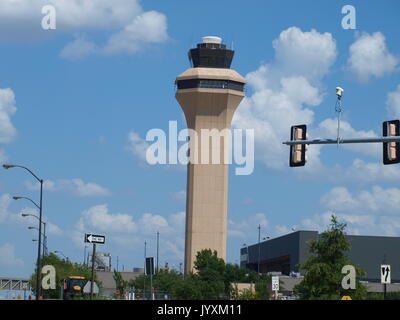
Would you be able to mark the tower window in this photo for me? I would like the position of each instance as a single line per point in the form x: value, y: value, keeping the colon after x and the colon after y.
x: 210, y: 83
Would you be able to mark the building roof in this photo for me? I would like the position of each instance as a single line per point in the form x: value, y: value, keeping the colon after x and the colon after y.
x: 107, y: 278
x: 211, y: 73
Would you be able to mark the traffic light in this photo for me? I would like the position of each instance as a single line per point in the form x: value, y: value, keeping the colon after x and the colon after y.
x: 149, y: 266
x: 391, y: 150
x: 298, y: 151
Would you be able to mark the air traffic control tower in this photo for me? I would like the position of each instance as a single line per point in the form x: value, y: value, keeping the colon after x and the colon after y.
x: 209, y: 94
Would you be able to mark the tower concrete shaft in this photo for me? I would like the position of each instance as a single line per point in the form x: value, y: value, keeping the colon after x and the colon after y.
x: 209, y: 94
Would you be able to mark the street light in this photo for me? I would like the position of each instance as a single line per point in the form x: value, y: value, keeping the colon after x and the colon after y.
x: 44, y: 223
x: 38, y: 266
x: 44, y: 235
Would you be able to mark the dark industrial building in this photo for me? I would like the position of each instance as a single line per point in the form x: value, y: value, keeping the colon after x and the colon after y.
x: 284, y: 253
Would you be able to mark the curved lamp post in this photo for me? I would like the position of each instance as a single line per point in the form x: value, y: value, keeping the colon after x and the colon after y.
x: 38, y: 266
x: 44, y: 254
x: 33, y: 215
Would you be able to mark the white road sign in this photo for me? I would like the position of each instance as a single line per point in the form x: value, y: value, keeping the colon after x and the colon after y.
x: 275, y: 283
x: 86, y: 288
x: 95, y: 238
x: 385, y: 273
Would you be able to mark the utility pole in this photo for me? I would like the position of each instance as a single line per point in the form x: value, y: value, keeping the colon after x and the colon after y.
x: 91, y: 284
x: 158, y: 242
x: 384, y: 285
x: 259, y: 248
x: 158, y: 238
x: 84, y: 254
x: 144, y: 278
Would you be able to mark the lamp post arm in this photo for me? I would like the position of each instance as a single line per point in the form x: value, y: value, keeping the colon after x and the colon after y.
x: 30, y: 171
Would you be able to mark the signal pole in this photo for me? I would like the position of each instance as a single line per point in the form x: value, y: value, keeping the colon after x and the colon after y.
x: 92, y: 283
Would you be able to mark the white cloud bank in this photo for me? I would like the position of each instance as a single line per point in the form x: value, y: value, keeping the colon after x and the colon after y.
x: 130, y: 29
x: 370, y: 57
x: 7, y: 216
x: 8, y: 257
x: 124, y: 230
x: 285, y: 93
x: 393, y: 103
x: 75, y: 186
x: 138, y: 146
x: 367, y: 212
x: 7, y: 109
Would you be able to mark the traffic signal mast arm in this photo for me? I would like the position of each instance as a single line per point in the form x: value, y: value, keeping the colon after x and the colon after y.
x: 335, y: 141
x: 299, y: 140
x: 390, y: 141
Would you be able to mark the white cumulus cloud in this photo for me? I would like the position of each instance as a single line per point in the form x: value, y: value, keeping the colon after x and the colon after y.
x: 126, y: 27
x: 370, y: 57
x: 377, y: 200
x: 393, y: 103
x: 328, y: 129
x: 8, y: 258
x: 7, y: 109
x: 138, y: 146
x: 285, y: 92
x: 76, y: 186
x: 149, y: 27
x: 98, y: 218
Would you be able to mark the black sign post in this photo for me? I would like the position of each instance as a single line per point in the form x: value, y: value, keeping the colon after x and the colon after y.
x: 150, y: 271
x: 93, y: 239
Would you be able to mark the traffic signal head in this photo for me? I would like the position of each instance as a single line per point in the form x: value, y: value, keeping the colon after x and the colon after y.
x: 391, y: 150
x: 298, y: 151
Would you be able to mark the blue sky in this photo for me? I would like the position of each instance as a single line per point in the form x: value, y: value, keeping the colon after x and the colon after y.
x: 76, y: 104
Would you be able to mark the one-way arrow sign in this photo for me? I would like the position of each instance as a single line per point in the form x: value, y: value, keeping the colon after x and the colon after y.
x: 385, y: 273
x: 95, y: 238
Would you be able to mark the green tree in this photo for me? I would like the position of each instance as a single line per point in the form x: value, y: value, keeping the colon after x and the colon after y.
x: 323, y: 277
x: 212, y: 280
x: 163, y: 282
x: 210, y: 271
x: 64, y: 269
x: 120, y: 283
x: 190, y: 288
x: 236, y: 274
x: 247, y: 294
x: 263, y: 287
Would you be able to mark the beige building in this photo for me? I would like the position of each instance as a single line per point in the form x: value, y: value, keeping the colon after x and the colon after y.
x: 108, y: 284
x: 209, y: 94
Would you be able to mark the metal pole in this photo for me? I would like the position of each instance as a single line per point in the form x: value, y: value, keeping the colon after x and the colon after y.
x: 91, y: 284
x: 144, y: 278
x: 158, y: 242
x: 38, y: 273
x: 384, y: 291
x: 259, y: 249
x: 151, y: 285
x: 335, y: 141
x: 84, y: 256
x: 158, y: 238
x: 44, y: 242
